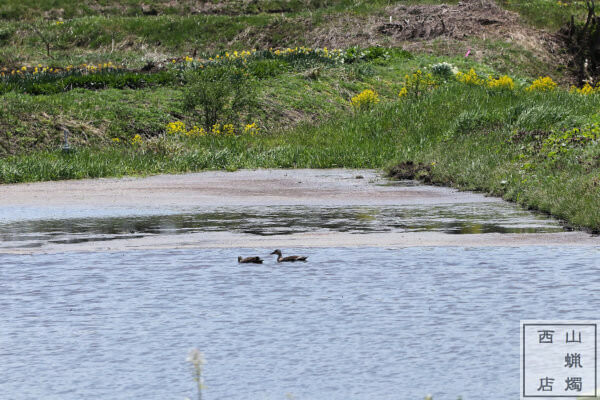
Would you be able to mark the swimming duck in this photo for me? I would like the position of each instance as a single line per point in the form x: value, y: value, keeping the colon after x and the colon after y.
x: 250, y: 260
x: 280, y: 258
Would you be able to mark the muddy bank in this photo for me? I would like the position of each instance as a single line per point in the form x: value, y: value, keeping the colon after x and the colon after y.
x: 245, y: 188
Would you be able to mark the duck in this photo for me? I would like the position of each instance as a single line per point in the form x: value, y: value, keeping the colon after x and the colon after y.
x: 249, y: 260
x: 280, y: 258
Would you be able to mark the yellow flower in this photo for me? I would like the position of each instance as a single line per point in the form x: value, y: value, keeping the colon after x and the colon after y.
x: 136, y: 140
x: 195, y: 132
x: 545, y: 84
x: 228, y: 130
x: 216, y: 129
x: 417, y: 83
x: 174, y: 128
x: 470, y: 78
x: 365, y: 100
x: 504, y: 82
x: 251, y: 129
x: 116, y: 140
x: 585, y: 89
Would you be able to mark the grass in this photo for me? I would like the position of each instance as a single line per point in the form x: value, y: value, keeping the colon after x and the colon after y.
x: 492, y: 141
x: 32, y: 9
x: 97, y: 32
x: 478, y: 145
x: 548, y: 14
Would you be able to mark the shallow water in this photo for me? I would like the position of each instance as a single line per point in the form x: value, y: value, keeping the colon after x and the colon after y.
x: 470, y: 218
x: 349, y: 324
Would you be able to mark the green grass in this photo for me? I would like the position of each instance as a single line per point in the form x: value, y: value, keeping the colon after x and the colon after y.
x: 95, y: 32
x: 485, y: 140
x: 31, y: 9
x: 472, y: 147
x: 547, y: 14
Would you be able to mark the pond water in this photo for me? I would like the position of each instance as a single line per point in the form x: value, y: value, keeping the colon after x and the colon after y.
x: 471, y: 218
x: 352, y: 323
x: 102, y: 298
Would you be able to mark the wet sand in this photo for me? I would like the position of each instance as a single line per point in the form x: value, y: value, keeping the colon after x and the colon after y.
x: 245, y: 188
x: 177, y: 193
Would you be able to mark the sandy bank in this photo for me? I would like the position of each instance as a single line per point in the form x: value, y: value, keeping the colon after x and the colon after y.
x: 211, y: 190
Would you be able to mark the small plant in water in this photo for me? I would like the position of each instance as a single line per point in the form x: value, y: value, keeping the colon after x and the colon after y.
x: 196, y: 358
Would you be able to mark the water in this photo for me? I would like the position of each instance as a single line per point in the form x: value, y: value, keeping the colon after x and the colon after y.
x: 469, y: 218
x: 352, y: 323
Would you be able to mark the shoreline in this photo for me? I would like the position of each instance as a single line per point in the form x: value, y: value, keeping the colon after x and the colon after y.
x: 223, y: 240
x: 336, y: 188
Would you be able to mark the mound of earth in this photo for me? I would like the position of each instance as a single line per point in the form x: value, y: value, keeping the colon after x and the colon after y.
x: 411, y: 26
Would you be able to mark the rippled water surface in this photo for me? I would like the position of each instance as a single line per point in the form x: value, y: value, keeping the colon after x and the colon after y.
x: 369, y: 323
x: 484, y: 217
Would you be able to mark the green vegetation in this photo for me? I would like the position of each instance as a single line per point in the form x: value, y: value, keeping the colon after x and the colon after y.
x: 186, y: 93
x: 513, y: 143
x: 550, y: 14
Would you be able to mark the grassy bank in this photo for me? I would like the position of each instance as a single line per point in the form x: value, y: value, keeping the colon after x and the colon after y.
x: 513, y: 143
x: 119, y: 79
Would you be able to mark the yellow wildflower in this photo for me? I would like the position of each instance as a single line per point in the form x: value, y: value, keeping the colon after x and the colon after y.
x: 136, y: 140
x: 365, y: 100
x: 470, y: 78
x: 175, y: 128
x: 195, y: 132
x: 228, y: 129
x: 545, y: 84
x: 504, y: 82
x: 417, y: 84
x: 251, y: 129
x: 585, y: 89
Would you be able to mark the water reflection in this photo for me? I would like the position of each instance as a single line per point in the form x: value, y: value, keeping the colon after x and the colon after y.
x: 282, y: 220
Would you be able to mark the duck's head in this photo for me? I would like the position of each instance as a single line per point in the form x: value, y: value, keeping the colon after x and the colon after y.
x: 239, y: 258
x: 278, y: 252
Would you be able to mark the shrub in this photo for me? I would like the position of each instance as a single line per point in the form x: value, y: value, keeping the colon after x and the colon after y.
x: 219, y: 93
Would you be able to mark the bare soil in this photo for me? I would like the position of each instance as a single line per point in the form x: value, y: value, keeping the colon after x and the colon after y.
x: 418, y: 28
x: 415, y: 27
